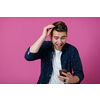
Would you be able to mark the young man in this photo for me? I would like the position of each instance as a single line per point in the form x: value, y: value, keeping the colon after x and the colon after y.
x: 56, y: 55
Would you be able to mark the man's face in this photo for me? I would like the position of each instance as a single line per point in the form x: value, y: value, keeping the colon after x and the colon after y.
x: 58, y: 39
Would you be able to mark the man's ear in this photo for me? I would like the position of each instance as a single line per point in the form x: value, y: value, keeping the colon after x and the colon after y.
x: 67, y: 34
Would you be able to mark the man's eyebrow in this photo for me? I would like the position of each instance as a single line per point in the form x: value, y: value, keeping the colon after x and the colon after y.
x: 55, y: 36
x: 58, y: 36
x: 63, y: 36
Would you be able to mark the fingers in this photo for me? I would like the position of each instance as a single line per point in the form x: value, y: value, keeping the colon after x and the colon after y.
x: 62, y: 78
x: 66, y: 74
x: 47, y: 30
x: 49, y: 26
x: 67, y: 78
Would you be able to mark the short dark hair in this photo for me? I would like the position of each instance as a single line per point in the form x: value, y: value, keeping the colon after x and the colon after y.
x: 59, y: 23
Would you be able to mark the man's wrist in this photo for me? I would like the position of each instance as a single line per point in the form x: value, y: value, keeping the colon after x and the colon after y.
x: 75, y: 79
x: 43, y: 36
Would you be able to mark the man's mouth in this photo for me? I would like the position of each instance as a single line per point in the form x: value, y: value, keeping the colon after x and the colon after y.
x: 59, y: 45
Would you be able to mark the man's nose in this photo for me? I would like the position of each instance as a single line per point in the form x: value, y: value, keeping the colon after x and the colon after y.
x: 59, y: 41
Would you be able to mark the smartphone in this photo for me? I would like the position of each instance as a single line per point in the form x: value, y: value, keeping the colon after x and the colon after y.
x: 63, y: 70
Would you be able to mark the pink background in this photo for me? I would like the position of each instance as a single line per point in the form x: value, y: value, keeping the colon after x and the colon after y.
x: 18, y: 33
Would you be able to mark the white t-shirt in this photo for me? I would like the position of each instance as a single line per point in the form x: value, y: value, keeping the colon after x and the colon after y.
x: 56, y: 61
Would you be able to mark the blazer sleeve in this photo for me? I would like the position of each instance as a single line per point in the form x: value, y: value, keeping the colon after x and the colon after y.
x: 77, y: 65
x: 34, y: 56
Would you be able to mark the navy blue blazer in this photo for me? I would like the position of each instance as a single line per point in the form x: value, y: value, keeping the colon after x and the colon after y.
x: 70, y: 60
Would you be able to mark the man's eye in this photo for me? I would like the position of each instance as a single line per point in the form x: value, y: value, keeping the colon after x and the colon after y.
x: 56, y: 38
x: 62, y: 38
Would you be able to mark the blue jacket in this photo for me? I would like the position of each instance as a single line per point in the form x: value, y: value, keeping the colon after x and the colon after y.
x: 70, y: 60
